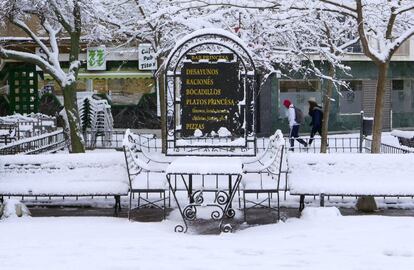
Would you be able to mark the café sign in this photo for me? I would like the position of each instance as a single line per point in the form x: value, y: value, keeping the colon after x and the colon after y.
x: 146, y: 57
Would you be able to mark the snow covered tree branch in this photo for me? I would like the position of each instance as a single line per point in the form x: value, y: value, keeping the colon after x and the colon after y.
x: 52, y: 16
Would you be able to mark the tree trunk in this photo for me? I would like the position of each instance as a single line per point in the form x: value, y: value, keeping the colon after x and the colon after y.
x: 160, y: 82
x: 379, y: 106
x: 327, y: 109
x: 71, y: 108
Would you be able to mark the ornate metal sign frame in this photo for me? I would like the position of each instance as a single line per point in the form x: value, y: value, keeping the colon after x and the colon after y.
x: 215, y: 42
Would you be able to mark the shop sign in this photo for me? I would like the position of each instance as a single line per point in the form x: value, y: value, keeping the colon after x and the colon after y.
x: 210, y: 96
x: 146, y: 57
x: 96, y: 58
x: 210, y: 57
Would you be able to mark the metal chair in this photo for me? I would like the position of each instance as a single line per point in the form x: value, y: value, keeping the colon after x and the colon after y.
x: 145, y: 176
x: 263, y: 176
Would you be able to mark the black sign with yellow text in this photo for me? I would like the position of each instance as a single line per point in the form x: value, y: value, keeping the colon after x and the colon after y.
x: 210, y: 96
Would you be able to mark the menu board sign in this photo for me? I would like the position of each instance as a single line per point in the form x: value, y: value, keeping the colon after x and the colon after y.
x: 210, y: 98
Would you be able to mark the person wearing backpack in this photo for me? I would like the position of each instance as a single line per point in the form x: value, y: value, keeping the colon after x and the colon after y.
x: 295, y: 118
x: 316, y: 113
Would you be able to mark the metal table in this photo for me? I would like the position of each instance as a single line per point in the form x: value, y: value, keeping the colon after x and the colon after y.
x: 186, y: 167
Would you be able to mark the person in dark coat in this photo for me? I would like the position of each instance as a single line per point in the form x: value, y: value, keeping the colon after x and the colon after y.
x: 316, y: 113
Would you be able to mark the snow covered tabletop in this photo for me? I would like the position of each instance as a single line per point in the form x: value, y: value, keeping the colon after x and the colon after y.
x: 351, y: 174
x: 63, y: 174
x: 205, y: 165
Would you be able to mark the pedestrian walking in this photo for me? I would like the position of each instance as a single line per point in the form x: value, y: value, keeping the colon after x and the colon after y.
x: 295, y: 117
x: 316, y: 113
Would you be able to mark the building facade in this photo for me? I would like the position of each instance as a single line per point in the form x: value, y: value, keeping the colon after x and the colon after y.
x: 398, y: 111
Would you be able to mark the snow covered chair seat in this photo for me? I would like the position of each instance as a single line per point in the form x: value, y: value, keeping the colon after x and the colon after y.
x: 378, y: 175
x: 145, y: 175
x: 262, y: 176
x: 64, y: 175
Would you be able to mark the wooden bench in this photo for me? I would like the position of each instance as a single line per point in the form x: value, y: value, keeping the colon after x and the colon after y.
x: 64, y: 175
x: 354, y: 175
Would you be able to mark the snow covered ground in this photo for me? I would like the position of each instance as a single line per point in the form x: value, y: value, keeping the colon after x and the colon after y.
x: 319, y: 240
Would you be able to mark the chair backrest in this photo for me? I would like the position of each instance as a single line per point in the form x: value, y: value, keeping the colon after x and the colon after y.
x: 136, y: 160
x: 274, y: 152
x: 276, y: 165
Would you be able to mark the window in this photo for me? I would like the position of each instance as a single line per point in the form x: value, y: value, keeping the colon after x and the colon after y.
x: 355, y: 48
x: 350, y: 100
x: 402, y: 96
x: 122, y: 90
x: 298, y: 92
x: 404, y: 49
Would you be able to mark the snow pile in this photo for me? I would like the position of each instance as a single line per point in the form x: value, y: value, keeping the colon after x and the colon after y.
x: 351, y: 174
x: 320, y: 213
x: 224, y: 132
x: 13, y: 208
x: 198, y: 133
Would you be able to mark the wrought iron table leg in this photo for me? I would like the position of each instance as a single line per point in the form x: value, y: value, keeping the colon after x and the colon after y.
x: 228, y: 211
x: 301, y: 203
x: 178, y: 228
x: 190, y: 188
x: 230, y: 190
x: 117, y: 204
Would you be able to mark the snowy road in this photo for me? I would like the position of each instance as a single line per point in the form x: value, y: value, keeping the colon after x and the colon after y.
x: 320, y: 240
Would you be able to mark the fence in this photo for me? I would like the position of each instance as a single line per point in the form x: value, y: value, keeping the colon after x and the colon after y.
x: 335, y: 144
x: 104, y: 139
x: 388, y: 149
x: 49, y: 142
x: 19, y: 126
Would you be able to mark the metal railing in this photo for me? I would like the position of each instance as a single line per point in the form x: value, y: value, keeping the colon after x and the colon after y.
x: 104, y: 139
x: 49, y: 142
x: 28, y: 126
x: 113, y: 140
x: 387, y: 149
x: 335, y: 145
x: 346, y: 145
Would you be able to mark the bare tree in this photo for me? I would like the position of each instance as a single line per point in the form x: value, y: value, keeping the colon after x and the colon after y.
x: 383, y: 26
